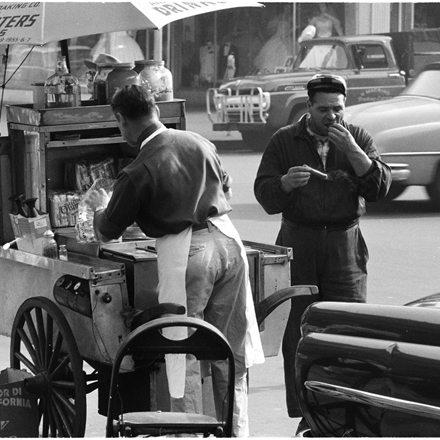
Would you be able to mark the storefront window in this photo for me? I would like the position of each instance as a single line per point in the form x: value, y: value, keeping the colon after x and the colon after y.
x: 246, y: 41
x: 426, y: 15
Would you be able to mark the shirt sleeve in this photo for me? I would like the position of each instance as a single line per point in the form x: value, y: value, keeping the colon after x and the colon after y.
x: 267, y: 186
x: 121, y: 210
x: 374, y: 185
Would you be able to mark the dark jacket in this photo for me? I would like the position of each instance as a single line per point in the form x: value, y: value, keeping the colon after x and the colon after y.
x: 338, y: 200
x: 175, y: 181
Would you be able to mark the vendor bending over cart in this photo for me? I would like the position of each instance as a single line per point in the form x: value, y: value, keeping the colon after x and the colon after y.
x: 176, y: 191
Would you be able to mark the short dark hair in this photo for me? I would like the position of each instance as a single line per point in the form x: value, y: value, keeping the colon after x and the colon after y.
x: 132, y: 101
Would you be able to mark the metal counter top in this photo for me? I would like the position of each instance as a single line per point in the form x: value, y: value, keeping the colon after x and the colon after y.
x: 82, y: 266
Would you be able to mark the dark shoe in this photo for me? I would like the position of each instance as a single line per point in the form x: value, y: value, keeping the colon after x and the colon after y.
x: 303, y: 426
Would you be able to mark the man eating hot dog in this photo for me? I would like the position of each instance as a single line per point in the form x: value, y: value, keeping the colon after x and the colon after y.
x: 320, y: 216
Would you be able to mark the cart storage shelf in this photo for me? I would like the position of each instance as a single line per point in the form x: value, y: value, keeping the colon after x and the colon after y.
x: 42, y: 140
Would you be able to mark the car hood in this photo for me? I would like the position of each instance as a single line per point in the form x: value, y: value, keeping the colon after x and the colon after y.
x: 401, y: 111
x: 295, y: 80
x: 427, y: 301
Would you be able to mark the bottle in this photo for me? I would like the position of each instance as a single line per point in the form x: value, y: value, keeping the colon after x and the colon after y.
x: 99, y: 83
x: 121, y: 75
x: 62, y: 89
x: 50, y: 248
x: 62, y: 254
x: 32, y: 210
x: 158, y: 80
x: 19, y: 208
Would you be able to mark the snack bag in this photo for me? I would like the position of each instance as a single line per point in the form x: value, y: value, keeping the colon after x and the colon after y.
x: 85, y: 232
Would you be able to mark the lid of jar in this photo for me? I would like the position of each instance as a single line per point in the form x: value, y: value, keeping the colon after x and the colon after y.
x: 122, y: 65
x: 48, y: 233
x: 153, y: 63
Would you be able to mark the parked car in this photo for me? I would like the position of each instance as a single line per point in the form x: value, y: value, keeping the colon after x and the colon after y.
x: 258, y: 105
x: 369, y: 370
x: 406, y: 130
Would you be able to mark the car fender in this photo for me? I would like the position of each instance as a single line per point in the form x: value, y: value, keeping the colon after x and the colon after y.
x: 417, y: 146
x: 284, y: 105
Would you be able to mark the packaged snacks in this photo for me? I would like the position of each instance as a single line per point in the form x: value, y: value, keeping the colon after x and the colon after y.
x: 63, y: 207
x: 85, y: 232
x: 80, y: 175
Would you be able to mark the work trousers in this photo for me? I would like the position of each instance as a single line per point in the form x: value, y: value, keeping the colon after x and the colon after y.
x: 216, y: 292
x: 333, y: 258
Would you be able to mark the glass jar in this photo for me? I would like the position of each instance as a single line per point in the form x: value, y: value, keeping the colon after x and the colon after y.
x: 63, y: 253
x: 62, y: 89
x: 50, y: 248
x: 121, y: 75
x: 158, y: 80
x: 99, y: 83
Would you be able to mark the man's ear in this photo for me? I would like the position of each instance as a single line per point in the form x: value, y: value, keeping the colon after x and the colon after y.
x: 157, y: 110
x: 121, y: 118
x: 309, y: 104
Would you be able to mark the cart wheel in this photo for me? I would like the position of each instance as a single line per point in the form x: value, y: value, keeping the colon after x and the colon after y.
x: 43, y: 343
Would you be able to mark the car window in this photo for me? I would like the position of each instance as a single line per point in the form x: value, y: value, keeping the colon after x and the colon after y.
x: 322, y: 56
x: 426, y: 84
x: 370, y: 56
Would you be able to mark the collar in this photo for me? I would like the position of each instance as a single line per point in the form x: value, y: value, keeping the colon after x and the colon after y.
x: 313, y: 134
x: 149, y: 133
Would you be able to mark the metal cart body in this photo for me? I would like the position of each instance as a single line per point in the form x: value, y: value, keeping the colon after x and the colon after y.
x: 67, y: 312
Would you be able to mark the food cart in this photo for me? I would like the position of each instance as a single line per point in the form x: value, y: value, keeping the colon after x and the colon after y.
x: 64, y: 314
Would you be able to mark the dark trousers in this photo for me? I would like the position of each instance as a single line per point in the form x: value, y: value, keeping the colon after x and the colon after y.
x: 335, y: 260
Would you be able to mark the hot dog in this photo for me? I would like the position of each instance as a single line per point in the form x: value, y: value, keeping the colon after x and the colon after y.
x: 316, y: 173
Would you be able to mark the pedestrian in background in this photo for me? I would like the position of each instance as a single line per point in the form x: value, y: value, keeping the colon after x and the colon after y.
x: 321, y: 211
x: 176, y: 191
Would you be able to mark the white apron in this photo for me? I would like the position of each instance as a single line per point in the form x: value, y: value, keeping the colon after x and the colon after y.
x: 172, y: 258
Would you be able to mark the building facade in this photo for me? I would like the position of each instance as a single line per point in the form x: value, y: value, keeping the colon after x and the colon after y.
x: 205, y: 50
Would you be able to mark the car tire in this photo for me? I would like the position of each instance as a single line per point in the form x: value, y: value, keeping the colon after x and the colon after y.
x: 256, y: 140
x: 433, y: 189
x: 395, y: 191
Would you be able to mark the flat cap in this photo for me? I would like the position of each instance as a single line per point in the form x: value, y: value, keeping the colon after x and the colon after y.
x: 327, y: 82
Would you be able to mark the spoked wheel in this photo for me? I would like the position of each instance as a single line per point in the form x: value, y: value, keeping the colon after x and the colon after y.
x: 43, y: 343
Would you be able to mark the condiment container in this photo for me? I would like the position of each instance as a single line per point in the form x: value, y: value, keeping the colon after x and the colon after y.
x: 121, y: 75
x: 99, y: 83
x: 62, y: 254
x: 158, y: 80
x: 50, y: 248
x: 62, y: 89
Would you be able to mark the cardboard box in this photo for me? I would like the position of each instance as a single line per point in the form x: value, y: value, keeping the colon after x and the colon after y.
x: 30, y: 232
x: 18, y: 409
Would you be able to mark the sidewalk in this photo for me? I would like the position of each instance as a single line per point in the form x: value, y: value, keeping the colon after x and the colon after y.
x: 197, y: 120
x: 267, y: 408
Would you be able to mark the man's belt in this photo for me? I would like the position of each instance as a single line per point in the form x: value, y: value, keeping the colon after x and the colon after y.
x: 200, y: 226
x: 330, y: 226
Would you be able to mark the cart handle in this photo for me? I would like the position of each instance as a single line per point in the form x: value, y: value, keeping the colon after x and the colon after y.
x: 265, y: 307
